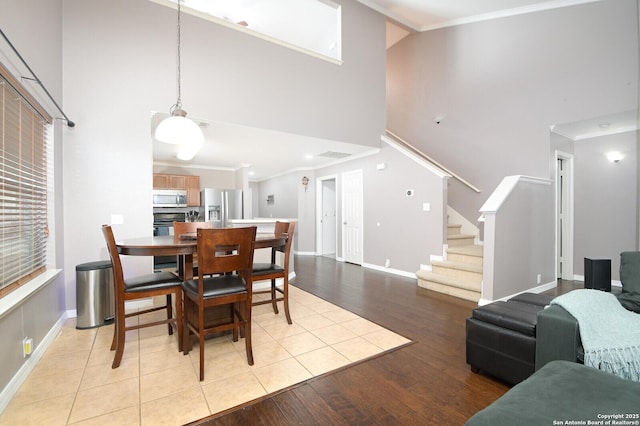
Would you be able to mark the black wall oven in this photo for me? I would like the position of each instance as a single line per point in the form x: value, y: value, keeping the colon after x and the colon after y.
x: 163, y: 225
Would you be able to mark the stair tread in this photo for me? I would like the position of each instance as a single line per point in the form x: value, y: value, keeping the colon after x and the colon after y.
x: 463, y: 266
x: 459, y: 236
x: 460, y: 293
x: 469, y: 250
x: 447, y: 280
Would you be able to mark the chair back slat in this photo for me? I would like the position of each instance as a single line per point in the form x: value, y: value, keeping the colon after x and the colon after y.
x: 284, y: 228
x: 181, y: 228
x: 227, y: 250
x: 116, y: 264
x: 281, y: 228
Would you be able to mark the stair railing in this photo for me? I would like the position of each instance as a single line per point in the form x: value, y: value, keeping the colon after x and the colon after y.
x: 424, y: 156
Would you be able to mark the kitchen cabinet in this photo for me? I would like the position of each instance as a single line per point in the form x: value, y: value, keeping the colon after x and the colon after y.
x: 190, y: 183
x: 160, y: 181
x: 163, y: 181
x: 193, y: 190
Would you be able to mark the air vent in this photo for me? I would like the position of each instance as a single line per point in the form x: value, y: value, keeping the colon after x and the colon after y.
x: 333, y: 154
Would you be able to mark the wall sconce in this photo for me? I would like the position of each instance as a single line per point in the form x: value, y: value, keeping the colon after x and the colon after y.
x: 615, y: 156
x: 305, y: 183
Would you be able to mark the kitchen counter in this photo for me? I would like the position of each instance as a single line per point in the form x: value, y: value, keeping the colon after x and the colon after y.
x: 265, y: 224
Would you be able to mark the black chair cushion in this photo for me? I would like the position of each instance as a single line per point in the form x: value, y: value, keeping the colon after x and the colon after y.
x: 216, y: 286
x: 154, y: 281
x: 266, y: 268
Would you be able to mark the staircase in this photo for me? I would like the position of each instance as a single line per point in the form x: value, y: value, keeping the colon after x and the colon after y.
x: 461, y: 274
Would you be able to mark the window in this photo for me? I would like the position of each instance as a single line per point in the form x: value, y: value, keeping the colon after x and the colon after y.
x: 23, y: 184
x: 311, y: 26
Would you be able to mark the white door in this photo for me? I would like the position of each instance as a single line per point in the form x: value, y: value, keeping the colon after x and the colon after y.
x: 352, y: 221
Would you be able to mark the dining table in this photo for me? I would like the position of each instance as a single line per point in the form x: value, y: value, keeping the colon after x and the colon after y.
x: 184, y: 246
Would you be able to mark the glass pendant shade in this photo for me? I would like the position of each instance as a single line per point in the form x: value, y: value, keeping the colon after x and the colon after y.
x: 179, y: 130
x: 189, y: 150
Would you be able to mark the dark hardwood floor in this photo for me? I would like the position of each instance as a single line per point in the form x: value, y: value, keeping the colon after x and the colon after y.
x: 427, y: 382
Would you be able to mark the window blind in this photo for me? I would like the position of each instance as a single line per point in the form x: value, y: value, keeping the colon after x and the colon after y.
x: 23, y: 188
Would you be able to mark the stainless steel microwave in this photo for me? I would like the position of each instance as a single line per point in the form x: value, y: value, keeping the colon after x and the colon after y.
x: 169, y: 198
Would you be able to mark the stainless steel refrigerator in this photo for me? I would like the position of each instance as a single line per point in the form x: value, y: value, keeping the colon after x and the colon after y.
x: 220, y: 205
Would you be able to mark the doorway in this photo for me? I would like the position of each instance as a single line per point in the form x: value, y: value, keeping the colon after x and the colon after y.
x: 564, y: 215
x: 327, y: 229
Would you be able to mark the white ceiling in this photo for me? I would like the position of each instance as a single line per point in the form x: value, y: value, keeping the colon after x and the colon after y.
x: 625, y: 121
x: 424, y: 15
x: 267, y: 153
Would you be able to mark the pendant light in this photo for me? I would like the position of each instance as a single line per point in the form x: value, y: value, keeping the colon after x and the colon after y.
x: 178, y: 129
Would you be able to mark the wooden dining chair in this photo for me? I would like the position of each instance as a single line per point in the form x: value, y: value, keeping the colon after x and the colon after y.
x: 140, y: 287
x: 182, y: 228
x: 274, y: 271
x: 225, y: 257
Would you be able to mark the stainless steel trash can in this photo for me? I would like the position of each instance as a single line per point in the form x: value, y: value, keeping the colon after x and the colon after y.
x: 94, y: 294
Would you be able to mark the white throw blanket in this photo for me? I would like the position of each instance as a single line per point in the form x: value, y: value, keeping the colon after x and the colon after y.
x: 610, y: 334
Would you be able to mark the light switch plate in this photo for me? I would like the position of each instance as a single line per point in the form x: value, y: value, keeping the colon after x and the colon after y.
x: 117, y: 219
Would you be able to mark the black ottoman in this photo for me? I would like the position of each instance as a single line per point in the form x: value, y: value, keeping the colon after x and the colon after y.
x: 501, y: 337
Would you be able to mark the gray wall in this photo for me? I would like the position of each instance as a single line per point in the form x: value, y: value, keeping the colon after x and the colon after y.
x: 35, y: 29
x: 605, y: 200
x: 285, y: 196
x: 290, y: 202
x: 117, y: 71
x: 118, y: 64
x: 394, y: 226
x: 521, y: 248
x: 502, y: 83
x: 605, y: 197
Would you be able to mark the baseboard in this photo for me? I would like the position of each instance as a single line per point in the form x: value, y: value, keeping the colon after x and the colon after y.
x: 539, y: 289
x: 390, y: 270
x: 19, y: 378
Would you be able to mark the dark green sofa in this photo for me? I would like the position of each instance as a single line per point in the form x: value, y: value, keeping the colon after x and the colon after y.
x: 558, y: 334
x: 561, y: 392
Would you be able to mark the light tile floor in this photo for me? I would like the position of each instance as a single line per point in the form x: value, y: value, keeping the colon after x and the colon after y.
x: 156, y: 385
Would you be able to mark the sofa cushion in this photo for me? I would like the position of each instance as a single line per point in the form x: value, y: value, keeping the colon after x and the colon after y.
x: 564, y: 391
x: 630, y: 271
x: 630, y: 300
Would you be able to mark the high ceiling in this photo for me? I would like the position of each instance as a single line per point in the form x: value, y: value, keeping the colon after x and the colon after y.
x: 424, y: 15
x: 230, y: 147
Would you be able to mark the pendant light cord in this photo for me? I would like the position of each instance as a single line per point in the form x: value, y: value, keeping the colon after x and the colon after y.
x: 178, y: 105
